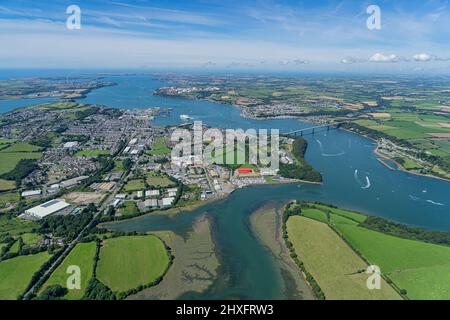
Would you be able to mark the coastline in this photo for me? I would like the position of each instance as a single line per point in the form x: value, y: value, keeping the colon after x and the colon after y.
x: 399, y: 166
x: 169, y: 212
x: 266, y: 224
x: 194, y: 267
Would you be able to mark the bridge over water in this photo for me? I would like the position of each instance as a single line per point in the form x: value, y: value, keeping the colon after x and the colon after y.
x: 315, y: 129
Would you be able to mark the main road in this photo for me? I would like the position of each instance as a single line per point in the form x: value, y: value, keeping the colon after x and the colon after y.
x: 74, y: 242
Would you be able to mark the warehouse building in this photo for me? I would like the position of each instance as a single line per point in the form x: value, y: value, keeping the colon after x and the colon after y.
x: 56, y: 206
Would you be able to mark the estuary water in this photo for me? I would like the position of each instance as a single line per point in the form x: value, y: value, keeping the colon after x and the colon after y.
x: 353, y: 179
x: 353, y: 176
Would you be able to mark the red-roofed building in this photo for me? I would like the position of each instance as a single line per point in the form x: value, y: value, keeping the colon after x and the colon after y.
x: 244, y: 170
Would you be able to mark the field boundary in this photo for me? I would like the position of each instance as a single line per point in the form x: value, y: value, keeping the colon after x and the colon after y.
x: 331, y: 226
x: 124, y: 294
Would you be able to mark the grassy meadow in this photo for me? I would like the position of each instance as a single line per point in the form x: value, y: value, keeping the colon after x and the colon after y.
x: 16, y: 274
x: 420, y: 268
x: 134, y: 185
x: 128, y: 262
x: 160, y: 147
x: 83, y: 256
x: 334, y: 265
x: 9, y: 160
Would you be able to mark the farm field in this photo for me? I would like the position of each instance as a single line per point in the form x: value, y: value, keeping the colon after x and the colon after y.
x: 6, y: 141
x: 30, y: 238
x: 348, y: 214
x: 315, y: 214
x: 128, y: 262
x: 15, y: 227
x: 334, y: 265
x: 7, y: 185
x: 83, y: 256
x: 427, y: 132
x: 9, y: 160
x: 16, y: 273
x: 14, y: 248
x: 420, y: 268
x: 21, y: 147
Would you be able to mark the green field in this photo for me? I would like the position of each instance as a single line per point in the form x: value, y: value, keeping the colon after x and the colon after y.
x: 92, y: 153
x: 118, y: 166
x: 333, y: 264
x: 315, y: 214
x: 407, y: 125
x: 7, y: 141
x: 128, y: 262
x: 158, y: 180
x: 16, y: 273
x: 83, y: 256
x: 14, y: 227
x: 14, y: 248
x: 21, y: 147
x: 344, y: 213
x: 128, y: 208
x: 134, y: 185
x: 7, y: 185
x: 30, y: 238
x: 160, y: 147
x: 8, y: 199
x: 8, y: 161
x: 422, y: 269
x: 417, y: 129
x: 409, y: 164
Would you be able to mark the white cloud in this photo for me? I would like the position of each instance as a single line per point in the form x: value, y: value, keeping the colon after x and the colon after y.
x: 351, y: 60
x: 296, y: 62
x: 380, y: 57
x: 422, y: 57
x: 425, y: 57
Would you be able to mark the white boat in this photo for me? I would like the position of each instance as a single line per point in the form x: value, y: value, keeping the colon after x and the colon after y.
x: 185, y: 117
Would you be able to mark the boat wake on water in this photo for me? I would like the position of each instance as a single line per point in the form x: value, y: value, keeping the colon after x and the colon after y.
x: 368, y: 184
x: 429, y: 201
x: 328, y: 154
x: 435, y: 203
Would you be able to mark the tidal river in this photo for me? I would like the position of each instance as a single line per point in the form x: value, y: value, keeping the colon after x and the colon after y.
x: 353, y: 179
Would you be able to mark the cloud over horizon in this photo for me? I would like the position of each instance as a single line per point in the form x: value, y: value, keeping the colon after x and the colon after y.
x: 285, y: 35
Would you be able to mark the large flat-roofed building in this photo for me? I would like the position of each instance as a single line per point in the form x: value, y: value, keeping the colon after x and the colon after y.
x: 48, y: 208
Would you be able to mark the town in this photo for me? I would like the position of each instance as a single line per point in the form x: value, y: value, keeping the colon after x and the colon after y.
x: 71, y: 156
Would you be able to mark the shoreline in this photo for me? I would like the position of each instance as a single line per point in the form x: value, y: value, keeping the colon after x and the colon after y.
x: 169, y: 212
x: 400, y: 167
x: 301, y: 118
x: 266, y: 225
x: 194, y: 268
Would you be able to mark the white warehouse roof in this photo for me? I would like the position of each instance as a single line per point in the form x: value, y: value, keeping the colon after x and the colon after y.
x: 167, y: 201
x: 31, y: 193
x: 47, y: 208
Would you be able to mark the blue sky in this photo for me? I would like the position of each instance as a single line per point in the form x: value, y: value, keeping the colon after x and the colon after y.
x: 266, y: 34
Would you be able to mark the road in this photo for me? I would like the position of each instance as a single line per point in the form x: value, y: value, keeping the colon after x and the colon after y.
x: 100, y: 210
